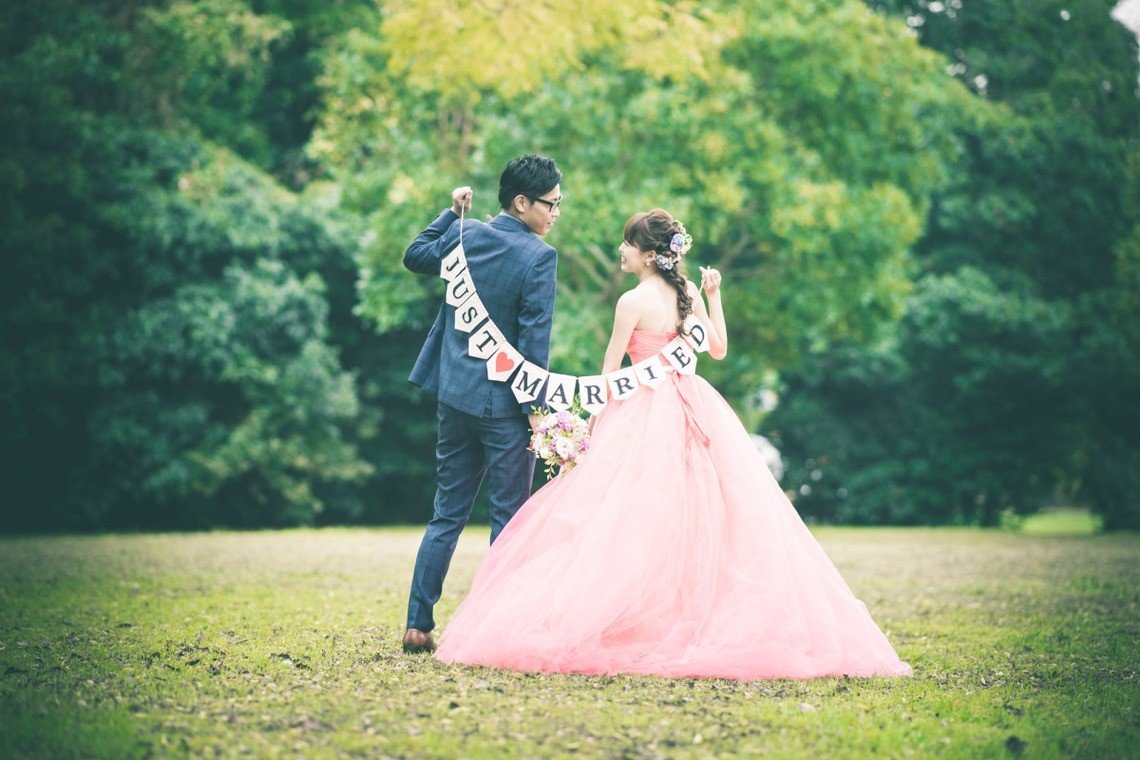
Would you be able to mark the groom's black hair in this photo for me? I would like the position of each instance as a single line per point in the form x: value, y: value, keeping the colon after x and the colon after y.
x: 531, y: 176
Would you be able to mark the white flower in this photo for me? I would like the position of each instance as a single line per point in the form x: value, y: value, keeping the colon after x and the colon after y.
x: 559, y: 440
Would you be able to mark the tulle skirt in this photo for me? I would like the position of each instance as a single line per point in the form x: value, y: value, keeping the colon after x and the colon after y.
x: 669, y: 550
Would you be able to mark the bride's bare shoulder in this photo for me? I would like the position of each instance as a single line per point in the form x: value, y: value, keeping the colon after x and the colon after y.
x: 628, y: 303
x: 629, y: 297
x: 636, y: 303
x: 635, y: 295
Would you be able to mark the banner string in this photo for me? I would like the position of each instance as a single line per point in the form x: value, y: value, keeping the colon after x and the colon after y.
x: 462, y: 213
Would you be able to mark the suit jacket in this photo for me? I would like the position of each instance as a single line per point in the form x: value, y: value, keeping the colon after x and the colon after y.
x: 514, y: 274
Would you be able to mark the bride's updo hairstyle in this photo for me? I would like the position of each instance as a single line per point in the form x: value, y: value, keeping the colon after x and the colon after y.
x: 659, y: 232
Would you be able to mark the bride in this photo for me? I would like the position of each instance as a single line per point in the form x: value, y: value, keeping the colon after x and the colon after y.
x: 670, y: 549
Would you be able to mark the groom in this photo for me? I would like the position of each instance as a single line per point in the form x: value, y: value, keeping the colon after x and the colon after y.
x: 482, y: 428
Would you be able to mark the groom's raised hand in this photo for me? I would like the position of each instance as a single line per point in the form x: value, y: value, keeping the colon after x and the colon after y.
x: 461, y: 200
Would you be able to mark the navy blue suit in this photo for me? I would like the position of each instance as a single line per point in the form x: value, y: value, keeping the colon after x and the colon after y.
x: 482, y: 428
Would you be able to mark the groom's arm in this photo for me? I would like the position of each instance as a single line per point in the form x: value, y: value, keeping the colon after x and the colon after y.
x: 536, y: 313
x: 431, y: 245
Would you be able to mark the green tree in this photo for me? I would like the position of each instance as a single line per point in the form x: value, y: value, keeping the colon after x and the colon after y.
x: 1007, y: 377
x: 166, y: 358
x: 798, y: 146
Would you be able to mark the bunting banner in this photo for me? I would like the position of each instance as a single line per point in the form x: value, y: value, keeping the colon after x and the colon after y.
x: 530, y: 382
x: 622, y: 383
x: 678, y: 353
x: 453, y: 263
x: 503, y: 363
x: 560, y: 391
x: 485, y: 341
x: 460, y: 289
x: 470, y: 314
x: 696, y: 333
x: 651, y: 371
x: 592, y: 393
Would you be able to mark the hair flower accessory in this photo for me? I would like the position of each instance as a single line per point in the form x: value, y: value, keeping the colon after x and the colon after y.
x: 682, y: 241
x: 679, y: 245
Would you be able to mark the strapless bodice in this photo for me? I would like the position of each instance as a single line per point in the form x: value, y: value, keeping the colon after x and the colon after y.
x: 645, y: 343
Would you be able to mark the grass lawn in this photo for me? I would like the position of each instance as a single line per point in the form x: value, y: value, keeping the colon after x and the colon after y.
x: 287, y: 644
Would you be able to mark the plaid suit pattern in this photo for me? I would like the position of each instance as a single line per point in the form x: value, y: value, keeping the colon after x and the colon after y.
x: 514, y: 274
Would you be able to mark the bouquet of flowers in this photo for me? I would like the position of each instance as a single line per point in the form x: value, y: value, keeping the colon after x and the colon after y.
x: 559, y: 440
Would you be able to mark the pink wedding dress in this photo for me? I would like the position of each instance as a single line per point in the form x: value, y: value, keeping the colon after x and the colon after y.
x: 669, y: 550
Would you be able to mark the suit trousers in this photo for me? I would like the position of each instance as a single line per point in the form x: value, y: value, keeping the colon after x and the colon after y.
x: 468, y: 448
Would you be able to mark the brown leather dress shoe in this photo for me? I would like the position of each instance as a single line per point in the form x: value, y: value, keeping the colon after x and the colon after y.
x: 416, y: 641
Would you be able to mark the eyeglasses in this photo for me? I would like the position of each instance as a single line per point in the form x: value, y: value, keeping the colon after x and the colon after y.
x: 549, y: 204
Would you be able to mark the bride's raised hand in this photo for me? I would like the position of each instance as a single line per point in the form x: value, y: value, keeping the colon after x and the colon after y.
x: 710, y: 281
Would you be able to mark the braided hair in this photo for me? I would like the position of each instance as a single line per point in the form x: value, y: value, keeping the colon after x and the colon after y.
x: 659, y: 232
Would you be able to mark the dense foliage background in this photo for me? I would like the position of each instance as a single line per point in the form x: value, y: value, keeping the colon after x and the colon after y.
x: 1012, y: 378
x: 928, y: 216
